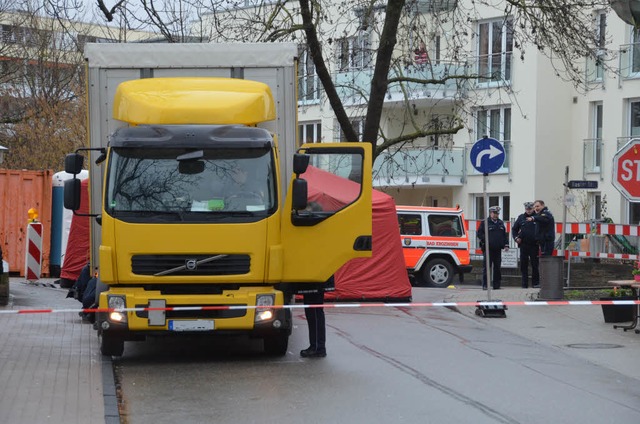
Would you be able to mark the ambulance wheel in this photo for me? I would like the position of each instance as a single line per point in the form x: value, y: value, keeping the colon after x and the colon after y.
x: 438, y: 273
x: 111, y: 345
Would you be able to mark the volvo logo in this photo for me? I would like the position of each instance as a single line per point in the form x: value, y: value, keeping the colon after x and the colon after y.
x: 191, y: 264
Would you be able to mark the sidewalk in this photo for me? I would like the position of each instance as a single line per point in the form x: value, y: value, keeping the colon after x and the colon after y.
x: 50, y: 364
x: 578, y: 330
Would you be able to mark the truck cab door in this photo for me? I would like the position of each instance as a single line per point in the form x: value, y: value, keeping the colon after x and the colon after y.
x: 335, y: 225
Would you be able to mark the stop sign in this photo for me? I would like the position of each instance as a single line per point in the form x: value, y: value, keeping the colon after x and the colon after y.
x: 626, y: 170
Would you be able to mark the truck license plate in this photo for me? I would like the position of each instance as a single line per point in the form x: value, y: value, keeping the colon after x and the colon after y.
x: 190, y: 325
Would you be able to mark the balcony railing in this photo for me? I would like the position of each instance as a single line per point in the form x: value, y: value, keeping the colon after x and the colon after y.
x: 624, y: 140
x: 435, y: 6
x: 353, y: 86
x: 592, y: 157
x: 420, y: 166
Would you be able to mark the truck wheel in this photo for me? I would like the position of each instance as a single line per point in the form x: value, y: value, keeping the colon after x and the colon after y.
x: 111, y: 345
x: 276, y: 345
x: 438, y: 273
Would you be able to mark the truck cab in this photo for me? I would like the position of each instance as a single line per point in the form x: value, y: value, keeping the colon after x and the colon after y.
x: 201, y: 230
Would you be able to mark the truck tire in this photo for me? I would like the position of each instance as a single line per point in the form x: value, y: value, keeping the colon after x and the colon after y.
x: 111, y: 345
x: 276, y: 345
x: 437, y: 272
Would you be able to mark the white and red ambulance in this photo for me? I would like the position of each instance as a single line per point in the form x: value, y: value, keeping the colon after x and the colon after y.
x: 435, y: 243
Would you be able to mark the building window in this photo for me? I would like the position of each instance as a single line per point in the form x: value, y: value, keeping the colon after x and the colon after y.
x: 595, y: 201
x: 597, y: 132
x: 494, y: 123
x: 635, y: 52
x: 601, y: 30
x: 358, y: 126
x: 501, y: 200
x: 354, y: 52
x: 495, y: 47
x: 310, y: 132
x: 634, y: 118
x: 308, y: 82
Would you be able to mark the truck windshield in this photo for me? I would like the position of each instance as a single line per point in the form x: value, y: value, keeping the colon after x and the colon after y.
x: 190, y: 184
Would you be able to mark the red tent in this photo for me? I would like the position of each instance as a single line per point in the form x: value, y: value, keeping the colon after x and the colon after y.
x: 382, y: 277
x: 77, y: 253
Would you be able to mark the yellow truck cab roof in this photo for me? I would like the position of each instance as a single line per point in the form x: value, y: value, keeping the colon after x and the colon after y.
x: 193, y: 100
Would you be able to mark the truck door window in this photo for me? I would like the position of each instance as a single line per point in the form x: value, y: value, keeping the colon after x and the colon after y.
x: 445, y: 225
x: 334, y: 180
x: 410, y: 225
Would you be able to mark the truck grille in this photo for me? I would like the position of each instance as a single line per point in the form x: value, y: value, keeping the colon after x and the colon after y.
x: 190, y: 265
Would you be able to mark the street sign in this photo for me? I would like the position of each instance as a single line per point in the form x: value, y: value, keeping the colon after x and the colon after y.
x: 582, y: 184
x: 626, y: 170
x: 569, y: 200
x: 487, y: 155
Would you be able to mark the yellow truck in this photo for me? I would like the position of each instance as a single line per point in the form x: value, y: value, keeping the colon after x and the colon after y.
x: 202, y: 196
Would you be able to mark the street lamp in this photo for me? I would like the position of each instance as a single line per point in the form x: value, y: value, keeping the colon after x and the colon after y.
x: 628, y: 11
x: 2, y: 150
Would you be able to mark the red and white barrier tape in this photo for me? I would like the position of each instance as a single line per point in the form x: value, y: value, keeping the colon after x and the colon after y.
x: 578, y: 228
x: 574, y: 253
x: 336, y: 306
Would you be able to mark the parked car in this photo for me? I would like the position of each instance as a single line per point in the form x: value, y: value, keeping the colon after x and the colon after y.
x: 435, y: 243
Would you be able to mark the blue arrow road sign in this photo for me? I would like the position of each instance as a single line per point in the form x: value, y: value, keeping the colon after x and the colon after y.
x: 487, y: 155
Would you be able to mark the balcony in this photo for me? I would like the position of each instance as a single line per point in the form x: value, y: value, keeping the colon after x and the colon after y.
x: 354, y: 85
x: 420, y: 167
x: 435, y: 6
x: 592, y: 158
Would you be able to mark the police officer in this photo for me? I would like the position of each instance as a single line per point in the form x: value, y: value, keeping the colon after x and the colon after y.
x: 545, y: 227
x: 524, y: 233
x: 316, y: 322
x: 498, y: 240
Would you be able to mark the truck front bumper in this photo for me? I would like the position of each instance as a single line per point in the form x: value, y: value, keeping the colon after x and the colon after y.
x: 231, y: 312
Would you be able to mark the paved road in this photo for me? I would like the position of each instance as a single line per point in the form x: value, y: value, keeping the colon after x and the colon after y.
x: 392, y: 365
x: 403, y: 365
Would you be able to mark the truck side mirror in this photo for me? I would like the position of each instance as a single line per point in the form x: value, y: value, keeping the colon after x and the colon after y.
x: 300, y: 163
x: 299, y: 194
x: 73, y: 163
x: 72, y: 193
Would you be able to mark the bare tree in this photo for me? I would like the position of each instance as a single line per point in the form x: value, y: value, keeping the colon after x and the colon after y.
x: 563, y: 30
x: 43, y: 91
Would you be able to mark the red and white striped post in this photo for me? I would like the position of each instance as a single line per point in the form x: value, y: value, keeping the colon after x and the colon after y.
x: 33, y: 252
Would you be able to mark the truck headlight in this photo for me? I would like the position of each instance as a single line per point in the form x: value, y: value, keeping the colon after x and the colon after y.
x: 264, y: 310
x: 117, y: 302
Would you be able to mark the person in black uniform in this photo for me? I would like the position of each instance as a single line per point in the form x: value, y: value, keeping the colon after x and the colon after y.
x: 497, y: 240
x: 545, y: 227
x: 316, y: 323
x: 315, y: 316
x: 524, y: 233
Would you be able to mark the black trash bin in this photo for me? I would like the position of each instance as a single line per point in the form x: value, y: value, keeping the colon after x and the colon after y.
x: 551, y: 278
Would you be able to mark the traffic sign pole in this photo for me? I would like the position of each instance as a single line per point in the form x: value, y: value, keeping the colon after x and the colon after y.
x: 487, y: 156
x: 487, y: 261
x: 564, y: 212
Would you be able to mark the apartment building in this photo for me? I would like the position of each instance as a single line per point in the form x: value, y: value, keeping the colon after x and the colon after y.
x: 544, y: 123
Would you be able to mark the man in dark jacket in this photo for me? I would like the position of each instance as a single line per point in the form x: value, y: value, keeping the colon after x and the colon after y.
x: 524, y: 233
x: 497, y: 240
x: 545, y: 227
